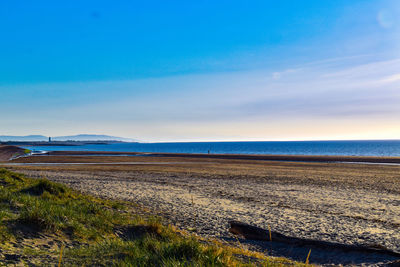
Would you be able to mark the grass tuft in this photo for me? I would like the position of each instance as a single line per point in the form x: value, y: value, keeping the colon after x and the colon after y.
x: 44, y: 185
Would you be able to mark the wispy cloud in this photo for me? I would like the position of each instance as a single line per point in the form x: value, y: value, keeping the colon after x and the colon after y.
x: 392, y: 78
x: 329, y: 94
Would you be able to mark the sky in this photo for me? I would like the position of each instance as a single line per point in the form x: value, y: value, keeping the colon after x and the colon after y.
x: 201, y: 70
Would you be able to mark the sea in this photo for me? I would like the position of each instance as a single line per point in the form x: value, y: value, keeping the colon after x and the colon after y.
x: 341, y: 148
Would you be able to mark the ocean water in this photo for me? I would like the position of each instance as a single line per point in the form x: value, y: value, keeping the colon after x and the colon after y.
x: 349, y: 148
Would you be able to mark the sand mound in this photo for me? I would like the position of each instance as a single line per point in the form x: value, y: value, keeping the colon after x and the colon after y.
x: 8, y: 152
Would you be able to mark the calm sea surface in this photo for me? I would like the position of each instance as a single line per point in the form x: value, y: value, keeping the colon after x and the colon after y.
x: 356, y: 148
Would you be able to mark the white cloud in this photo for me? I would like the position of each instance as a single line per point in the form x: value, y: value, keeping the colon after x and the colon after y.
x: 392, y: 78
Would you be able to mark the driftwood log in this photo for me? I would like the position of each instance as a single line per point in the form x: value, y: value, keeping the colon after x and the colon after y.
x: 256, y: 233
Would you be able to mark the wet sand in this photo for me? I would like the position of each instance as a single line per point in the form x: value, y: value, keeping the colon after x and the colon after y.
x: 301, y: 158
x: 354, y: 204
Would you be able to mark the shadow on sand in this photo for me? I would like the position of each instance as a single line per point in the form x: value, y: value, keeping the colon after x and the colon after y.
x: 322, y: 252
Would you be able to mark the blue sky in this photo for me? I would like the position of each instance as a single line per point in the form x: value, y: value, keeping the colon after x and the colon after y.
x: 201, y: 70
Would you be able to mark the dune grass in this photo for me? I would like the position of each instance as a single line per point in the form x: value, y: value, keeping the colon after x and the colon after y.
x: 103, y: 232
x: 53, y: 207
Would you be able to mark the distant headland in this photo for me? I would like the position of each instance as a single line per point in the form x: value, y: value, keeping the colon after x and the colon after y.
x: 79, y: 137
x: 72, y: 140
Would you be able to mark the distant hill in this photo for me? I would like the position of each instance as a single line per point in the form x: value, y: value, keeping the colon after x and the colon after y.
x: 79, y: 137
x: 91, y: 137
x: 36, y: 138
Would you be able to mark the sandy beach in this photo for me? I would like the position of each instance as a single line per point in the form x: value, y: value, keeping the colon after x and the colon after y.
x: 354, y: 204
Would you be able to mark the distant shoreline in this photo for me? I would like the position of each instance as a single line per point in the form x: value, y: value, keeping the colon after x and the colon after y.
x: 58, y: 143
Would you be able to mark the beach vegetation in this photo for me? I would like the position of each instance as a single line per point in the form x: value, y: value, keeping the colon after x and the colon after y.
x: 57, y: 224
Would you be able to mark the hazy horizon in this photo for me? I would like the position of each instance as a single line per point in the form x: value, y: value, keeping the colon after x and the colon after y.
x: 215, y: 71
x: 64, y: 138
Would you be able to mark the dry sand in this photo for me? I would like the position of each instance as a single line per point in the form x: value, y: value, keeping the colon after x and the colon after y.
x: 8, y: 152
x: 343, y: 203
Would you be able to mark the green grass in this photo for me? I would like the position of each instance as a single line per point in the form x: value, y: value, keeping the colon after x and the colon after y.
x: 98, y: 232
x: 53, y: 207
x: 150, y: 251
